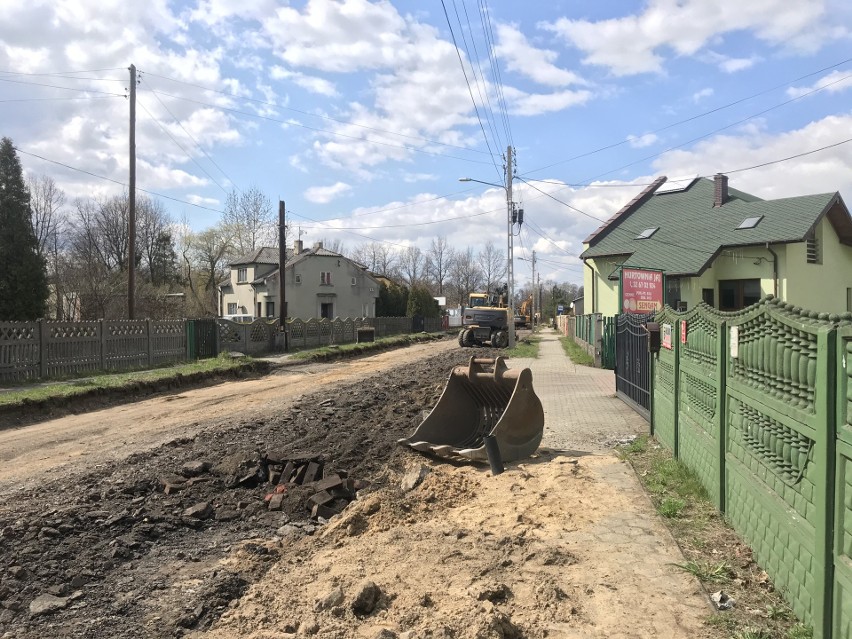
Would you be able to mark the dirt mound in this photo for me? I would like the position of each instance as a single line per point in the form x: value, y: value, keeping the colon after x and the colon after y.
x: 127, y: 557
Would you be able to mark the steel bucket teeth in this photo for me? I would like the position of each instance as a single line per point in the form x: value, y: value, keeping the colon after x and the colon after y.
x: 477, y: 402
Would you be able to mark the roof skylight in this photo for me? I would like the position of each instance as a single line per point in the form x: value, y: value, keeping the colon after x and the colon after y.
x: 750, y: 222
x: 644, y: 235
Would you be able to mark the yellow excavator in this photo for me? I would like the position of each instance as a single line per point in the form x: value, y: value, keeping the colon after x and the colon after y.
x: 485, y: 321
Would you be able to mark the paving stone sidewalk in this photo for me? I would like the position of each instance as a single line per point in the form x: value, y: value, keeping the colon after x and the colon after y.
x: 583, y: 417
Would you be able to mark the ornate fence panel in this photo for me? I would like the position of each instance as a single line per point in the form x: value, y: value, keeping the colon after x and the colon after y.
x: 259, y: 336
x: 664, y: 374
x: 230, y: 336
x: 700, y: 405
x: 71, y: 348
x: 779, y: 448
x: 842, y: 613
x: 125, y: 344
x: 19, y: 351
x: 633, y: 362
x: 608, y: 343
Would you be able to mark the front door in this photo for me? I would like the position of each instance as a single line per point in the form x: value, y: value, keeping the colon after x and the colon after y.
x: 326, y: 310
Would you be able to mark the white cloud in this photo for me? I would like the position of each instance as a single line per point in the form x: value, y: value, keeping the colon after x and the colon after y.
x: 325, y: 194
x: 310, y: 83
x: 641, y: 141
x: 637, y: 43
x: 203, y: 201
x: 834, y: 82
x: 411, y: 178
x: 700, y: 95
x: 521, y: 103
x: 824, y: 171
x: 537, y: 64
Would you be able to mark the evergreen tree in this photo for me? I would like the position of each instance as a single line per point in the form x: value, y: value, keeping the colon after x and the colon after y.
x: 393, y: 300
x: 23, y: 279
x: 421, y: 302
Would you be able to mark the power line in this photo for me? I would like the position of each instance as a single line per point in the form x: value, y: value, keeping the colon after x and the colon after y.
x: 486, y: 104
x: 485, y: 19
x: 470, y: 91
x: 180, y: 146
x: 64, y: 72
x: 312, y: 115
x: 194, y: 141
x: 81, y: 97
x: 697, y: 116
x: 412, y: 225
x: 108, y: 179
x: 54, y: 86
x: 791, y: 157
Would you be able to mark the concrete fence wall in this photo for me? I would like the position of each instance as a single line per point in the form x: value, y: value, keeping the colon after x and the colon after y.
x: 759, y: 404
x: 48, y: 349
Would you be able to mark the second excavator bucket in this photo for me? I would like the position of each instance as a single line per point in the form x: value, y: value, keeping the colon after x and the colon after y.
x: 477, y: 402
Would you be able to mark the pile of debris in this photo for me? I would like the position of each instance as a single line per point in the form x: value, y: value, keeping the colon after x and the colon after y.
x: 301, y: 476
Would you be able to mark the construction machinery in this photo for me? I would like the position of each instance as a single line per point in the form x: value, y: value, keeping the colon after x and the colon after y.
x: 485, y: 320
x: 484, y: 398
x: 524, y: 316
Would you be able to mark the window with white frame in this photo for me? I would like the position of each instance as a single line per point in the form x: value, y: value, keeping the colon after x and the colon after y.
x: 325, y: 278
x: 242, y: 274
x: 354, y: 281
x: 298, y: 279
x: 232, y: 308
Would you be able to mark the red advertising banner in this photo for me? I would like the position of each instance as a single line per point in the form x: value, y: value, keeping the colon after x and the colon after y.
x: 641, y: 290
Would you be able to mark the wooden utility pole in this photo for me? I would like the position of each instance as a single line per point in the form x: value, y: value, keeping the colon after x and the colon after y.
x: 131, y: 222
x: 282, y: 263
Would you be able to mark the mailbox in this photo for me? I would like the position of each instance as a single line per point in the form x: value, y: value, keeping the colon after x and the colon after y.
x: 654, y: 340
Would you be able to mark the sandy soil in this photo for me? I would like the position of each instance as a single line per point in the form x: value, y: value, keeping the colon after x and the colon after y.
x: 91, y: 545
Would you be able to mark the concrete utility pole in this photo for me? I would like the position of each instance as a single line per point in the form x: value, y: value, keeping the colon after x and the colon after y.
x: 532, y: 317
x: 131, y: 222
x: 510, y: 270
x: 282, y: 263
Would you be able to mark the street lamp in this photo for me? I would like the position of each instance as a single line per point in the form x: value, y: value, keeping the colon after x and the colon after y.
x: 510, y: 258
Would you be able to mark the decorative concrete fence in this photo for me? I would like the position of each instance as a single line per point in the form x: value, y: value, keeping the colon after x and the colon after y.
x: 759, y: 404
x: 32, y: 350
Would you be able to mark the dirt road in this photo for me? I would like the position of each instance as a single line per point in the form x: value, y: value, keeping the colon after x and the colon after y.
x: 106, y: 435
x: 156, y: 520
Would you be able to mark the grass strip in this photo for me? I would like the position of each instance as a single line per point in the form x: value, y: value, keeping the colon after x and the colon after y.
x: 575, y: 352
x: 713, y: 551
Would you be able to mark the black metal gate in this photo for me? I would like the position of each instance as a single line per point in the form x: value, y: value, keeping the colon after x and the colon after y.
x: 201, y: 335
x: 633, y: 362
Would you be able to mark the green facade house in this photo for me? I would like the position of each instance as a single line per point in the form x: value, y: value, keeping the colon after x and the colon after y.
x: 725, y: 247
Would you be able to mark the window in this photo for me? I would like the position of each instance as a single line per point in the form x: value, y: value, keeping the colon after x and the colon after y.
x: 326, y: 311
x: 354, y: 281
x: 260, y: 309
x: 644, y: 235
x: 814, y: 246
x: 298, y: 279
x: 232, y: 308
x: 737, y: 294
x: 325, y: 278
x: 672, y: 292
x: 242, y: 274
x: 849, y: 299
x: 270, y: 309
x: 707, y: 296
x: 750, y: 222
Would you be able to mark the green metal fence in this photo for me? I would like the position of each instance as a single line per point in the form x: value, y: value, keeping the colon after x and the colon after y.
x: 608, y: 343
x: 758, y: 404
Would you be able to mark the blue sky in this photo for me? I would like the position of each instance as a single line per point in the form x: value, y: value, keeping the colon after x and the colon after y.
x: 359, y: 116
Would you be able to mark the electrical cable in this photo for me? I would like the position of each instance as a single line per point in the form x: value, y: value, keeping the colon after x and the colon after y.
x: 485, y: 19
x: 54, y: 86
x: 470, y: 91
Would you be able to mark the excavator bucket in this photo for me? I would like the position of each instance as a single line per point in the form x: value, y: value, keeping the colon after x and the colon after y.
x: 477, y: 402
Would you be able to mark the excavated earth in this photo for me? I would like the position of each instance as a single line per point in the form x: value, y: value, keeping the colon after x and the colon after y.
x: 177, y: 539
x: 110, y: 554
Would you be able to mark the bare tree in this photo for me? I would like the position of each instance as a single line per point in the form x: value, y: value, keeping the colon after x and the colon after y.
x: 335, y: 245
x: 492, y: 262
x: 412, y: 265
x: 465, y: 275
x: 251, y: 219
x: 49, y: 224
x: 377, y: 257
x: 154, y: 238
x: 438, y: 260
x: 205, y: 256
x: 46, y: 202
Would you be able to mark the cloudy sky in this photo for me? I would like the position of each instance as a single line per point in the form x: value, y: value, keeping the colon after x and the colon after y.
x: 362, y: 115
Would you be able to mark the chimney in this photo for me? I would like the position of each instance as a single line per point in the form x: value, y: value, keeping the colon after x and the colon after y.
x: 720, y: 192
x: 317, y: 245
x: 297, y: 247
